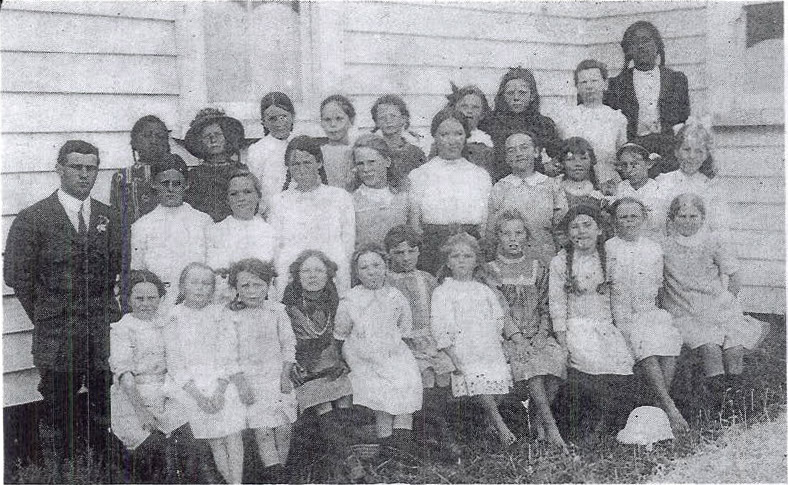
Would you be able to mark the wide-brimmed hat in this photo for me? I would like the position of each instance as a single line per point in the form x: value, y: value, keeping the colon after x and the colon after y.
x: 646, y: 425
x: 232, y: 128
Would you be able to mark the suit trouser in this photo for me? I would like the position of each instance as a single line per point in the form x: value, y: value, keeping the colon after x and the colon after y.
x: 75, y: 409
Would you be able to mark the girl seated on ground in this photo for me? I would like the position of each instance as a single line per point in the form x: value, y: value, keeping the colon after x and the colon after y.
x: 468, y: 324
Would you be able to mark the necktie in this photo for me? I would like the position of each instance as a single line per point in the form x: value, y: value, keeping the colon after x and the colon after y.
x: 83, y: 228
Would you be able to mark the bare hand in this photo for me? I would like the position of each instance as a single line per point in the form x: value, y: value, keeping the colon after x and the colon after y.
x: 297, y: 374
x: 147, y: 420
x: 285, y: 384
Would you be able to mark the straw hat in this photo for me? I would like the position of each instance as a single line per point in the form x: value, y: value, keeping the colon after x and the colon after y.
x: 232, y: 128
x: 646, y: 425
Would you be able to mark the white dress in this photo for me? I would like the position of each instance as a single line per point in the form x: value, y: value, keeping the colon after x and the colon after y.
x: 266, y: 159
x: 377, y: 211
x: 232, y: 240
x: 321, y: 219
x: 468, y: 316
x: 137, y: 347
x: 595, y: 345
x: 202, y: 347
x: 165, y: 240
x: 635, y: 269
x: 265, y: 343
x: 383, y: 372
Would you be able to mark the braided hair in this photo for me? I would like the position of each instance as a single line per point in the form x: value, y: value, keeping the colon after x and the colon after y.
x: 570, y: 287
x: 309, y: 145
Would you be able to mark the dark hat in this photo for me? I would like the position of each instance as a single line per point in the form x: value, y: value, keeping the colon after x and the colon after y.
x: 170, y: 161
x: 232, y: 129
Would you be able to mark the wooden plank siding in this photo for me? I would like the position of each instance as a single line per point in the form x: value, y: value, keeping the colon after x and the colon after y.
x: 67, y: 74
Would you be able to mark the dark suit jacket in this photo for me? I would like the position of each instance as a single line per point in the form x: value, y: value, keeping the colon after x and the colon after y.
x: 65, y: 282
x: 674, y: 104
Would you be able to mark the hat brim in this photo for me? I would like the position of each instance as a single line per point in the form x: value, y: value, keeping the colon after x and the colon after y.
x: 192, y: 142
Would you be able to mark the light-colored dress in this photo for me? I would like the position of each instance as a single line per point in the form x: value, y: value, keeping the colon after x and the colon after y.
x: 417, y: 287
x: 540, y: 200
x: 266, y: 159
x: 232, y: 240
x: 383, y: 371
x: 166, y: 239
x: 321, y: 219
x: 137, y: 347
x: 377, y: 211
x: 338, y: 164
x: 265, y: 343
x: 635, y: 269
x: 201, y: 347
x: 704, y: 311
x: 673, y: 184
x: 603, y: 127
x: 655, y: 200
x: 595, y: 345
x: 467, y: 316
x: 523, y: 282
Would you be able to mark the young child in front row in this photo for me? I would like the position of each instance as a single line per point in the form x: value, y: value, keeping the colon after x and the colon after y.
x: 266, y: 355
x: 372, y: 320
x: 201, y: 348
x: 635, y: 265
x: 535, y: 357
x: 141, y: 410
x: 468, y: 324
x: 707, y: 314
x: 402, y: 244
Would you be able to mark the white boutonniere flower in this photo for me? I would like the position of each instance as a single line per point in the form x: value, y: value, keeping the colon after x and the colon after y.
x: 103, y: 221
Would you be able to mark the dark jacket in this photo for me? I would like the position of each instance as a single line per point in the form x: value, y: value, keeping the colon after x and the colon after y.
x: 674, y: 104
x: 65, y: 282
x: 207, y: 190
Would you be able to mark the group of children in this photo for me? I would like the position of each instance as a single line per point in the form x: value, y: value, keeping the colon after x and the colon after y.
x: 312, y: 295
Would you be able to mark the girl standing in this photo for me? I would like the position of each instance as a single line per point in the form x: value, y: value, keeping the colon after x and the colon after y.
x: 244, y: 234
x: 131, y: 189
x: 141, y: 407
x: 216, y: 140
x: 201, y: 348
x: 266, y: 158
x: 372, y: 320
x: 470, y: 102
x: 468, y: 324
x: 600, y: 363
x: 392, y: 119
x: 538, y: 198
x: 517, y: 110
x: 535, y: 357
x: 635, y: 264
x: 311, y: 214
x: 706, y: 312
x: 379, y: 205
x: 448, y: 194
x: 266, y: 355
x: 337, y: 116
x: 652, y: 97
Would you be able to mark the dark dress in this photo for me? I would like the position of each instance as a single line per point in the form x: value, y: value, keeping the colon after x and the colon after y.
x: 207, y: 190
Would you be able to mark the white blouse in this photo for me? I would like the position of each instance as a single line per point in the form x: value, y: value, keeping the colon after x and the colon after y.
x: 322, y: 219
x: 450, y: 192
x: 266, y: 159
x: 647, y: 86
x: 234, y: 239
x: 165, y: 240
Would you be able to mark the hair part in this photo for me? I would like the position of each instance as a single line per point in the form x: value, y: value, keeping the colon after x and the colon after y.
x: 309, y: 145
x: 77, y: 146
x: 527, y: 76
x: 295, y: 266
x: 261, y: 269
x: 686, y: 198
x: 278, y: 99
x: 344, y: 104
x: 571, y: 286
x: 629, y: 37
x: 628, y: 200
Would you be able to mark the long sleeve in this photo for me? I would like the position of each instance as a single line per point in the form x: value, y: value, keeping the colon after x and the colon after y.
x: 405, y: 318
x: 676, y: 108
x: 178, y: 365
x: 560, y: 202
x: 557, y: 295
x: 347, y: 216
x: 21, y: 261
x: 138, y: 246
x: 442, y: 322
x: 121, y: 353
x: 287, y: 339
x: 116, y: 192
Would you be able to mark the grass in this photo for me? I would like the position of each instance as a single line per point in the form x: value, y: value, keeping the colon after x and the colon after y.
x: 749, y: 416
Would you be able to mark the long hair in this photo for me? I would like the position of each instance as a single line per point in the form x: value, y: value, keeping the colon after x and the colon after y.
x: 185, y: 273
x: 139, y: 125
x: 309, y: 145
x: 577, y: 145
x: 629, y: 38
x: 694, y: 129
x: 294, y: 292
x: 278, y: 99
x: 480, y: 272
x: 518, y: 73
x: 361, y: 251
x: 262, y: 269
x: 457, y: 94
x: 570, y: 287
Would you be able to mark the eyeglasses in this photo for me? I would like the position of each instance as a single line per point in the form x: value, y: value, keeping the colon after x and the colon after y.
x: 171, y: 184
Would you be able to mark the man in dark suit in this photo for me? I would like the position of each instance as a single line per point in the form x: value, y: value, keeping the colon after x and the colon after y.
x: 62, y: 258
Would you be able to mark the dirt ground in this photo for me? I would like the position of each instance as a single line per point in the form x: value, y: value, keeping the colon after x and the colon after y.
x: 757, y: 454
